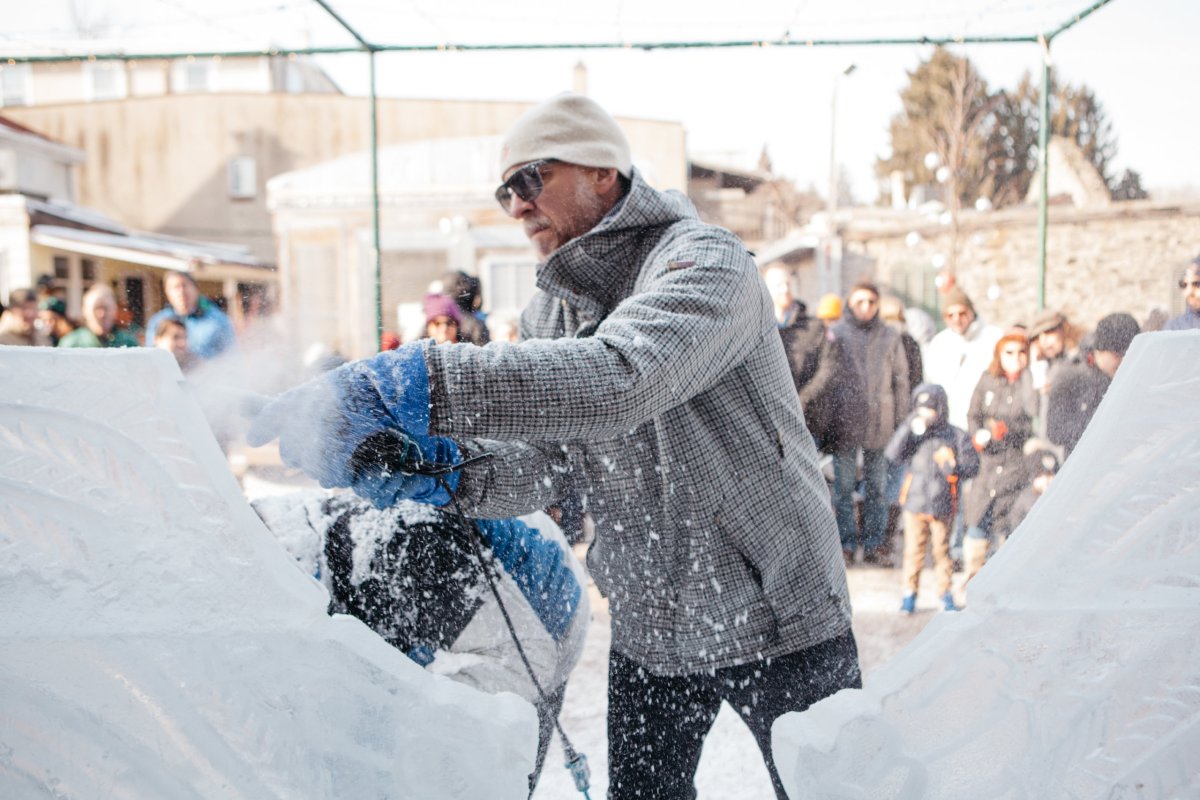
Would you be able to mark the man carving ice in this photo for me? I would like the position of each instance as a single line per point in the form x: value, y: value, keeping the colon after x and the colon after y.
x: 650, y: 376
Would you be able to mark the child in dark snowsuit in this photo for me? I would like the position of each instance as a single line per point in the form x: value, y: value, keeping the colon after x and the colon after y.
x: 936, y: 457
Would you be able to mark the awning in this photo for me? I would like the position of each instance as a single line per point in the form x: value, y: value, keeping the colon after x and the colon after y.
x: 151, y: 251
x: 782, y: 249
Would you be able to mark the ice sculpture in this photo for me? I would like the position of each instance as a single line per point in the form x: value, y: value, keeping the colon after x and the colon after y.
x: 1073, y: 672
x: 158, y: 642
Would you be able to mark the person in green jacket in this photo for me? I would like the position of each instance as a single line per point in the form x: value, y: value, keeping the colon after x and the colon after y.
x: 99, y: 322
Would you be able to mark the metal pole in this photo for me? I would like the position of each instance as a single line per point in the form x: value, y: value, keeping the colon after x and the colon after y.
x: 378, y: 269
x: 833, y: 284
x: 1044, y: 158
x: 375, y: 207
x: 797, y: 40
x: 832, y: 200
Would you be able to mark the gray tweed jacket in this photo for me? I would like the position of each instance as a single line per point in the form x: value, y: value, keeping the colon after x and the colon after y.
x: 652, y: 377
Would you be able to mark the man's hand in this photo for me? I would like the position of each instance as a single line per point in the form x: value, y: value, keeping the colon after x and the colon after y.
x: 391, y: 466
x: 320, y: 424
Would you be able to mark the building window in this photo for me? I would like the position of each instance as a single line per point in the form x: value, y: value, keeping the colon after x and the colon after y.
x: 15, y: 85
x: 194, y: 75
x: 89, y: 270
x: 243, y: 177
x: 105, y: 80
x: 62, y: 268
x: 508, y: 283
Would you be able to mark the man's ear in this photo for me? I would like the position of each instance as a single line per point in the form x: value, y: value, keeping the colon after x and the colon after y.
x: 605, y: 178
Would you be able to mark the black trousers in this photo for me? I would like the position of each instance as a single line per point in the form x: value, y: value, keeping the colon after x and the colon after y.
x: 657, y: 724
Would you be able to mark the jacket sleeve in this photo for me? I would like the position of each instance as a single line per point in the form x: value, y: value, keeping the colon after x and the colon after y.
x: 1027, y: 414
x: 823, y: 376
x: 902, y: 444
x: 968, y: 458
x: 516, y: 479
x: 657, y: 349
x: 975, y: 416
x: 901, y: 391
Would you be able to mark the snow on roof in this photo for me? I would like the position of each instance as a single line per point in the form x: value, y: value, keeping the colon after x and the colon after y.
x: 79, y: 215
x: 1072, y: 673
x: 464, y: 166
x: 143, y: 248
x: 156, y: 641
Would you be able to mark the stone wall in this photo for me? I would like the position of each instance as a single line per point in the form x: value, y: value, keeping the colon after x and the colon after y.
x: 1128, y: 257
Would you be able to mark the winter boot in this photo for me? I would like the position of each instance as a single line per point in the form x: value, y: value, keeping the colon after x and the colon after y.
x: 908, y: 604
x: 948, y: 602
x: 974, y: 554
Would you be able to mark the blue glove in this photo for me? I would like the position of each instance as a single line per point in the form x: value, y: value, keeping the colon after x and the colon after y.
x: 322, y: 423
x: 383, y: 468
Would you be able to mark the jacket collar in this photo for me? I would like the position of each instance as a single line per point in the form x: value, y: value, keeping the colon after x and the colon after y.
x: 597, y: 270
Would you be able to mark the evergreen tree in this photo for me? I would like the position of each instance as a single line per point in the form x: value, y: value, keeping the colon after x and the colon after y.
x: 1129, y: 187
x: 1075, y: 113
x: 988, y: 143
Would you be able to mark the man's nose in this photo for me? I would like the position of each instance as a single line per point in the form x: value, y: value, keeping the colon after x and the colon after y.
x: 518, y: 207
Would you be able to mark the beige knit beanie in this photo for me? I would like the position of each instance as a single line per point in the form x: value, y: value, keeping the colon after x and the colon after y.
x: 571, y: 128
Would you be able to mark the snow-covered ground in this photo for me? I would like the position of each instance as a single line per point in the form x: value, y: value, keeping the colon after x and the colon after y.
x: 158, y: 643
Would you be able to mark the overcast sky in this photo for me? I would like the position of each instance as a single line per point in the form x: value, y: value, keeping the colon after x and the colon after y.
x: 1139, y: 56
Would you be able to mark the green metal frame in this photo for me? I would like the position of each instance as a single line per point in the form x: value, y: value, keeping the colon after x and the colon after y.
x: 1044, y: 40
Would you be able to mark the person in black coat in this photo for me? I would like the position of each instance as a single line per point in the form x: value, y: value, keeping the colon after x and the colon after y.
x: 814, y: 357
x: 1043, y: 466
x: 1001, y: 419
x: 876, y: 354
x: 1079, y: 388
x: 891, y: 311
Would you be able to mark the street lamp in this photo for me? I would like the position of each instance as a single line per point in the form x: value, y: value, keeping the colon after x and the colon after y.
x: 833, y: 170
x: 830, y: 276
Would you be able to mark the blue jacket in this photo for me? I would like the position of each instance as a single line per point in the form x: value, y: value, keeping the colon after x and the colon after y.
x: 1188, y: 320
x: 209, y: 331
x: 937, y: 459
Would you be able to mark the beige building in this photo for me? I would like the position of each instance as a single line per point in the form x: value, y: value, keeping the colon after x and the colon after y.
x: 44, y: 234
x: 185, y: 148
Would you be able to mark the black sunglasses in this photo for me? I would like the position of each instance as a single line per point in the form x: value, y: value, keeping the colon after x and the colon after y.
x: 526, y: 183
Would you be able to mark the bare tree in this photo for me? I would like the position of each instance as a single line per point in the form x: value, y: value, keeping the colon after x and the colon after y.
x: 948, y: 112
x: 86, y: 21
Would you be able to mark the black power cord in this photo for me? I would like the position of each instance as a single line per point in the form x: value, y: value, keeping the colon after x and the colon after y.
x: 399, y: 454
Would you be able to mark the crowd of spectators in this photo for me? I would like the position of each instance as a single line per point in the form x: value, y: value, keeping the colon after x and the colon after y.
x: 191, y: 327
x: 887, y: 398
x: 945, y: 439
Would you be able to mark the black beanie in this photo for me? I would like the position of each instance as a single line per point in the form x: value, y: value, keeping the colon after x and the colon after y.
x: 1115, y: 332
